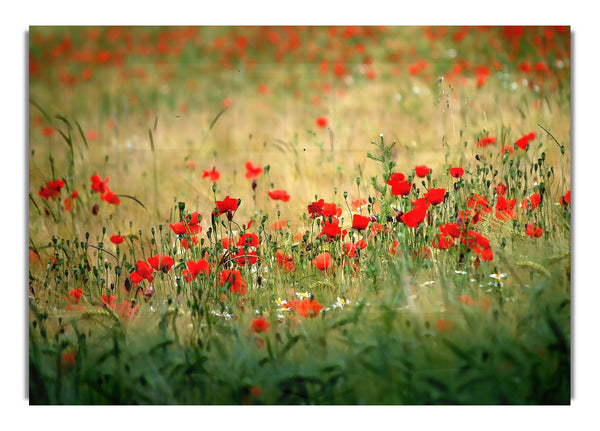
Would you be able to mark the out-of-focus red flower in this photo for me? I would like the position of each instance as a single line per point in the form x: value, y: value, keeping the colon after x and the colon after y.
x: 566, y: 199
x: 127, y: 310
x: 227, y: 205
x: 213, y: 174
x: 323, y: 261
x: 234, y: 279
x: 48, y: 131
x: 414, y: 217
x: 259, y: 325
x: 422, y: 171
x: 358, y: 203
x: 435, y: 196
x: 278, y: 225
x: 98, y: 185
x: 467, y: 300
x: 117, y: 239
x: 444, y: 325
x: 51, y: 189
x: 161, y: 262
x: 285, y: 261
x: 252, y: 171
x: 281, y: 195
x: 506, y: 148
x: 485, y: 141
x: 306, y: 307
x: 451, y: 229
x: 322, y: 122
x: 69, y: 200
x: 110, y: 197
x: 457, y: 172
x: 109, y: 301
x: 360, y: 222
x: 534, y: 230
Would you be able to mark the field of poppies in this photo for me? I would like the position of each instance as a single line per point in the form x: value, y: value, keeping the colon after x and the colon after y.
x: 299, y: 215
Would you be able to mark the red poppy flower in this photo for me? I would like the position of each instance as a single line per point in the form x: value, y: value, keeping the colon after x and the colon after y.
x: 51, y: 189
x: 358, y: 203
x: 233, y: 278
x: 69, y: 200
x: 360, y: 222
x: 248, y: 240
x: 331, y: 228
x: 532, y: 202
x: 457, y: 172
x: 523, y: 142
x: 414, y: 217
x: 161, y: 262
x: 534, y: 231
x: 506, y: 148
x: 259, y: 325
x: 485, y: 141
x: 98, y: 185
x: 306, y: 307
x: 443, y: 241
x: 285, y: 261
x: 476, y: 201
x: 451, y: 229
x: 127, y: 310
x: 400, y: 186
x: 278, y: 225
x: 566, y: 199
x: 143, y: 272
x: 109, y: 301
x: 504, y: 208
x: 330, y: 209
x: 467, y: 300
x: 501, y: 189
x: 322, y: 261
x: 444, y: 325
x: 316, y: 208
x: 48, y: 131
x: 243, y: 257
x: 487, y: 254
x: 198, y: 267
x: 110, y: 197
x: 252, y: 171
x: 435, y: 196
x: 227, y: 205
x: 281, y: 195
x: 117, y: 239
x: 422, y: 171
x: 75, y: 295
x: 213, y: 174
x: 322, y: 122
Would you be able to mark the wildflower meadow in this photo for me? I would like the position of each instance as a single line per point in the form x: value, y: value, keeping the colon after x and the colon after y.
x: 299, y: 215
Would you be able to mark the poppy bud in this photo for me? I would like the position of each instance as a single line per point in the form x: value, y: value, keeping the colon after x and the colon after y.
x: 254, y: 184
x: 95, y: 209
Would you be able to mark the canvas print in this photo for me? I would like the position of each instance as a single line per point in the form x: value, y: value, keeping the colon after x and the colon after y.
x: 299, y: 215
